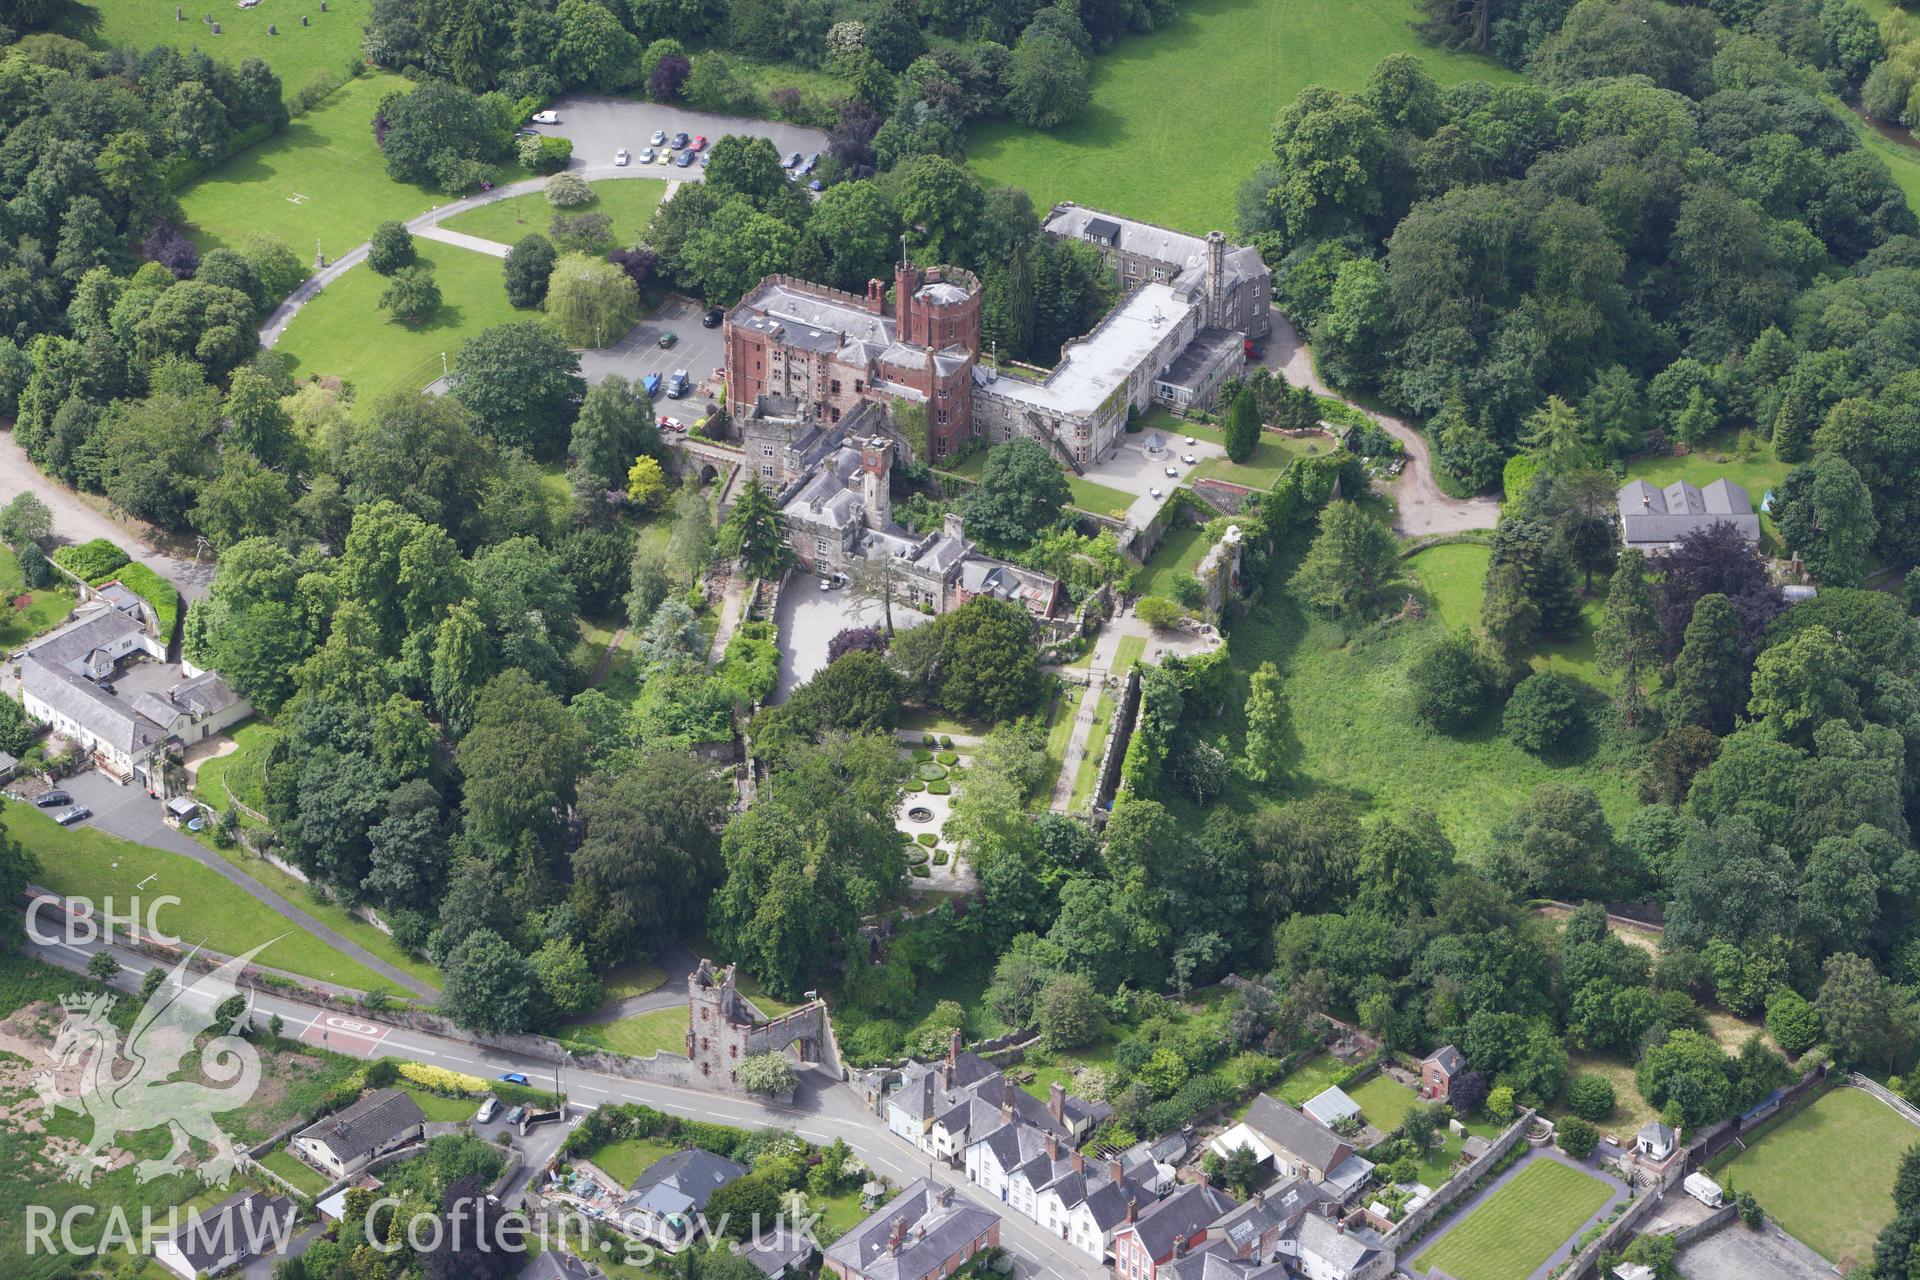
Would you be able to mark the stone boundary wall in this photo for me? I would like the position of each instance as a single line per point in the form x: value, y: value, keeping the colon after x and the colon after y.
x: 1409, y: 1228
x: 1907, y: 1110
x: 1107, y: 780
x: 1700, y: 1230
x: 1623, y: 1228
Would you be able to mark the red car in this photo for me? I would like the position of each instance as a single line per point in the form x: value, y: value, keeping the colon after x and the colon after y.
x: 671, y: 424
x: 699, y: 142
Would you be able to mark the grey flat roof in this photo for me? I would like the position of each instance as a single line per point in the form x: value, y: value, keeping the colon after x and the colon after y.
x: 1093, y: 368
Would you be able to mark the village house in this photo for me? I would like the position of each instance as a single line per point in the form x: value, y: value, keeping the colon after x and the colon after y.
x: 558, y: 1264
x: 1655, y: 520
x: 1296, y: 1147
x: 1216, y: 1261
x: 244, y: 1226
x: 102, y: 680
x: 924, y: 1232
x: 1437, y: 1071
x: 1166, y: 1230
x: 1327, y: 1249
x: 668, y: 1201
x: 1029, y: 1162
x: 1256, y: 1228
x: 347, y: 1141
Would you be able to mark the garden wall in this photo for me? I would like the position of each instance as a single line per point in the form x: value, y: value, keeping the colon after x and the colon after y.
x: 1458, y: 1185
x: 1107, y: 781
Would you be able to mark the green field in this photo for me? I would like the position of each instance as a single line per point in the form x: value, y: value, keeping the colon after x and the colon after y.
x: 1454, y: 576
x: 87, y: 863
x: 1177, y: 556
x: 1352, y: 730
x: 1511, y: 1234
x: 1181, y: 115
x: 1825, y: 1173
x: 320, y: 181
x: 342, y: 332
x: 628, y: 201
x: 641, y: 1036
x: 1902, y: 159
x: 331, y: 41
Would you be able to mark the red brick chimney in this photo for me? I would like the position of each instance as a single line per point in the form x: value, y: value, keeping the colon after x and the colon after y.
x: 897, y: 1234
x: 953, y: 1048
x: 1057, y: 1102
x: 877, y: 296
x: 1116, y: 1171
x: 1053, y: 1147
x: 1133, y: 1209
x: 1079, y: 1162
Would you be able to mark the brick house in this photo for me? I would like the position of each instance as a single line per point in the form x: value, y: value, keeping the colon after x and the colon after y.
x: 1437, y: 1071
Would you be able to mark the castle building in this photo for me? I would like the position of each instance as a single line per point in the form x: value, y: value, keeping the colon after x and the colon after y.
x: 811, y: 354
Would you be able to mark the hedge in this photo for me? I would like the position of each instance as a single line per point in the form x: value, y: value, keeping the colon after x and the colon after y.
x: 938, y: 789
x: 93, y: 561
x: 1198, y: 1094
x: 156, y: 590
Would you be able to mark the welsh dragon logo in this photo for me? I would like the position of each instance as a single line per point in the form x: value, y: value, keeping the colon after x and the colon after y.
x: 126, y: 1088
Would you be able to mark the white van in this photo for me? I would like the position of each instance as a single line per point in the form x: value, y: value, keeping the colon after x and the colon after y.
x: 487, y: 1109
x: 1705, y: 1190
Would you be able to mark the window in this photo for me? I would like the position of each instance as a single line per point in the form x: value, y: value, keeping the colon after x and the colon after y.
x: 766, y: 451
x: 835, y: 415
x: 857, y: 386
x: 834, y: 386
x: 820, y: 546
x: 942, y: 417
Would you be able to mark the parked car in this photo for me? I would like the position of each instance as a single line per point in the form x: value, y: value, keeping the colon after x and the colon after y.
x: 513, y: 1077
x: 704, y: 157
x: 811, y: 163
x: 685, y: 159
x: 515, y: 1116
x: 816, y: 185
x: 546, y: 117
x: 68, y: 817
x: 526, y: 133
x: 652, y: 382
x: 621, y: 157
x: 791, y: 161
x: 713, y: 318
x: 699, y: 142
x: 659, y: 138
x: 665, y: 156
x: 670, y: 423
x: 487, y: 1110
x: 667, y: 339
x: 53, y: 800
x: 680, y: 140
x: 646, y: 155
x: 678, y: 385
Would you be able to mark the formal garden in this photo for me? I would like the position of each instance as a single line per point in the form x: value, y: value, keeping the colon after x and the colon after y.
x: 1510, y: 1234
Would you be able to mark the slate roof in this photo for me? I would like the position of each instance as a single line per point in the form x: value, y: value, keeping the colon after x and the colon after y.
x: 1293, y: 1132
x: 231, y: 1229
x: 1651, y: 517
x: 1180, y: 251
x: 938, y: 1224
x: 1448, y: 1059
x: 89, y: 706
x: 70, y: 644
x: 688, y: 1177
x: 923, y: 1092
x: 558, y: 1264
x: 775, y: 1250
x: 367, y: 1124
x: 1217, y: 1262
x: 1189, y: 1209
x: 1347, y: 1250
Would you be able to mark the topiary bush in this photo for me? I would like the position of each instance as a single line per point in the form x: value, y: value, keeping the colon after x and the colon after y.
x: 928, y: 740
x: 913, y: 786
x: 938, y: 789
x: 922, y: 872
x: 1590, y: 1097
x: 939, y: 857
x: 945, y: 741
x: 916, y: 856
x: 948, y: 757
x: 921, y: 755
x: 928, y: 839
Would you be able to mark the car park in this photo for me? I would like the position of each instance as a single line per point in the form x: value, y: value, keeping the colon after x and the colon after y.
x: 546, y: 117
x: 621, y: 157
x: 791, y: 162
x: 67, y: 817
x: 668, y: 338
x: 652, y: 383
x: 713, y: 318
x: 678, y: 385
x: 680, y: 140
x: 646, y: 155
x: 513, y: 1077
x: 811, y: 163
x: 515, y: 1116
x: 53, y: 799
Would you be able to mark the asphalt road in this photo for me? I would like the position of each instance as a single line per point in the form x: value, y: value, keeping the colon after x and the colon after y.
x: 824, y: 1109
x: 599, y: 125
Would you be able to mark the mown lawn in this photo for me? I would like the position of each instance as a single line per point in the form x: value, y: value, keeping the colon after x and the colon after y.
x: 628, y: 201
x: 1181, y: 115
x: 1087, y: 495
x: 240, y: 774
x: 450, y: 1110
x: 1351, y: 728
x: 1088, y: 773
x: 305, y: 1178
x: 344, y: 333
x: 1061, y: 714
x: 641, y: 1036
x: 1455, y: 578
x: 1512, y: 1233
x: 1384, y: 1102
x: 25, y: 614
x: 88, y: 863
x: 1128, y: 652
x: 1826, y: 1172
x: 320, y: 179
x: 1902, y: 159
x: 1177, y: 556
x: 635, y: 978
x: 330, y: 41
x: 1311, y: 1077
x: 1271, y: 457
x: 630, y: 1157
